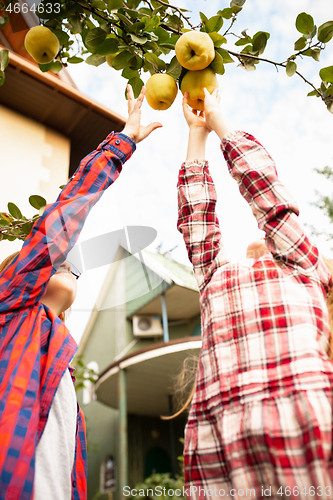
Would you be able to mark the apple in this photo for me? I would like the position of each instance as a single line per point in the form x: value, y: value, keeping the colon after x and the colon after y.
x: 195, y: 50
x: 161, y: 91
x: 41, y: 44
x: 110, y: 57
x: 194, y: 82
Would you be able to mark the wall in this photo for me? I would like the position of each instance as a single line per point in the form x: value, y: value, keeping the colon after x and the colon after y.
x: 34, y: 160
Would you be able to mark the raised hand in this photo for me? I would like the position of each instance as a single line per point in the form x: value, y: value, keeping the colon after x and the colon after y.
x: 193, y: 117
x: 133, y: 127
x: 215, y: 119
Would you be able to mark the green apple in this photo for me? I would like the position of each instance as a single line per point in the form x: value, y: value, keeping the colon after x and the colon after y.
x: 195, y: 50
x: 41, y: 44
x: 161, y: 91
x: 110, y: 57
x: 194, y: 82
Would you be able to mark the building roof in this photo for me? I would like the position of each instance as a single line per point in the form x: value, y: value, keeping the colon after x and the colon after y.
x: 150, y: 373
x: 179, y: 273
x: 50, y: 100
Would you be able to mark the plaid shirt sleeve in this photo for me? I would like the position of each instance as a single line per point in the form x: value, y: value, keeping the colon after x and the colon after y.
x: 197, y: 220
x: 271, y: 203
x: 23, y: 283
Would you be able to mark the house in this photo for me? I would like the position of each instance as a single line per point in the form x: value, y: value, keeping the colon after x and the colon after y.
x: 46, y: 125
x: 145, y: 323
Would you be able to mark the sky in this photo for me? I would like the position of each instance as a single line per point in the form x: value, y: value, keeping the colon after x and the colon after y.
x: 294, y: 128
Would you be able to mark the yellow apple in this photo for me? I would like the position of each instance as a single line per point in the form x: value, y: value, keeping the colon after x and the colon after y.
x: 194, y: 82
x: 161, y: 91
x: 41, y: 44
x: 110, y: 57
x: 195, y: 50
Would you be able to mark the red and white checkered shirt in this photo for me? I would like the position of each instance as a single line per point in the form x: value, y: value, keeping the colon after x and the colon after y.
x: 265, y: 328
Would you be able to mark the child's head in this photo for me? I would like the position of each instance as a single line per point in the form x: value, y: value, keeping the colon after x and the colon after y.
x: 61, y: 289
x: 256, y: 249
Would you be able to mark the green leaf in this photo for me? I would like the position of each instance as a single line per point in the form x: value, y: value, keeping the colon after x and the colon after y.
x: 122, y: 60
x: 95, y: 37
x: 238, y: 3
x: 307, y: 53
x: 138, y: 39
x: 133, y: 4
x: 203, y: 17
x: 3, y: 21
x: 158, y: 64
x: 37, y: 201
x: 56, y: 67
x: 137, y: 85
x: 75, y: 60
x: 174, y: 21
x: 300, y: 43
x: 291, y: 67
x: 129, y: 73
x: 163, y: 35
x: 304, y: 23
x: 151, y: 23
x: 226, y: 13
x: 235, y: 9
x: 314, y: 92
x: 61, y: 35
x: 217, y: 64
x: 215, y: 23
x: 325, y: 32
x: 329, y: 91
x: 243, y: 41
x: 315, y: 53
x: 260, y: 41
x: 135, y: 62
x: 45, y: 67
x: 174, y: 69
x: 326, y: 74
x: 76, y: 23
x: 226, y: 58
x: 2, y: 78
x: 115, y: 4
x: 26, y: 228
x: 4, y: 223
x: 109, y: 46
x: 4, y: 59
x: 98, y: 4
x: 217, y: 39
x: 95, y: 60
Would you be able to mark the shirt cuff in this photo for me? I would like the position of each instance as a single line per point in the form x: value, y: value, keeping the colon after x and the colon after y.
x: 201, y: 162
x: 232, y: 136
x: 120, y: 144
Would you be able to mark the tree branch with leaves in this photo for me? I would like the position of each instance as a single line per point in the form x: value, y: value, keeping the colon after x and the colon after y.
x: 139, y: 36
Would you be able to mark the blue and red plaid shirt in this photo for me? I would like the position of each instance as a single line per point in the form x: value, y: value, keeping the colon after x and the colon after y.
x: 35, y: 346
x: 265, y: 327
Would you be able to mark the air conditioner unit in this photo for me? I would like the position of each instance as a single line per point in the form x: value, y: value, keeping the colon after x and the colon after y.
x: 147, y: 326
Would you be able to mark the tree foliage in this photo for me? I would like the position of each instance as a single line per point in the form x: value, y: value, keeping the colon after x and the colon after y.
x: 14, y: 225
x: 325, y: 204
x: 143, y: 33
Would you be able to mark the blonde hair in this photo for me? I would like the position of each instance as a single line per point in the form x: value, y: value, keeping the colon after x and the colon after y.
x: 8, y: 260
x: 184, y: 386
x: 185, y: 382
x: 329, y: 302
